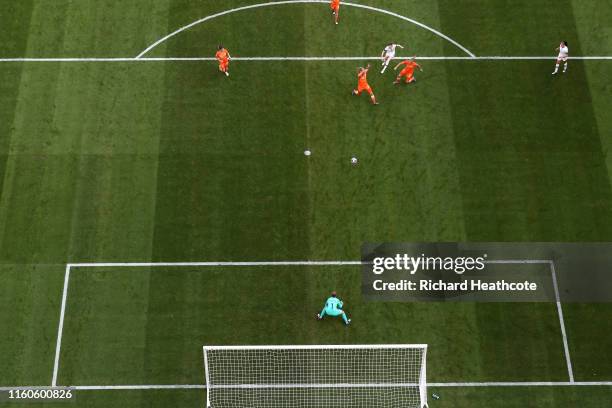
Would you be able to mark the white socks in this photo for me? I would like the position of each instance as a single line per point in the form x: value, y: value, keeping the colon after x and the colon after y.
x: 557, y: 68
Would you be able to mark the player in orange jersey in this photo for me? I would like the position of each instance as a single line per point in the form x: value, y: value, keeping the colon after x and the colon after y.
x: 408, y: 71
x: 335, y: 6
x: 362, y: 84
x: 224, y: 57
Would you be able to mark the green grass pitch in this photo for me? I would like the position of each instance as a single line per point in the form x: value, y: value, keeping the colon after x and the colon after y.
x: 170, y: 161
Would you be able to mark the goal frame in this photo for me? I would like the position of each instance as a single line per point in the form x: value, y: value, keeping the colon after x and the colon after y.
x: 422, y: 384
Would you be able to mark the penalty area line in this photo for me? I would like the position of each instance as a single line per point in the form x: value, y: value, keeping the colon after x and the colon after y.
x: 60, y: 329
x: 70, y: 266
x: 568, y: 360
x: 229, y: 263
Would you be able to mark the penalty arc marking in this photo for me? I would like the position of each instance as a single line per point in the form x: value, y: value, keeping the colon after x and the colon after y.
x: 277, y: 3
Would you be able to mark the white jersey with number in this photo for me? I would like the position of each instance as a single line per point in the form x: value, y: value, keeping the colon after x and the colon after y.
x: 389, y: 51
x: 563, y: 52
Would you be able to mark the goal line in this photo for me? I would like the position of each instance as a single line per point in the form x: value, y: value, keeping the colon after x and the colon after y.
x: 429, y: 384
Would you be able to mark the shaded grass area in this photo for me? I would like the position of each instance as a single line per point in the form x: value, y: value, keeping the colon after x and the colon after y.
x: 530, y: 158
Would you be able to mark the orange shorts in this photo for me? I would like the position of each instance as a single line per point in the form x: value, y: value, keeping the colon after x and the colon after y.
x: 408, y: 73
x: 223, y: 65
x: 364, y: 87
x: 335, y: 7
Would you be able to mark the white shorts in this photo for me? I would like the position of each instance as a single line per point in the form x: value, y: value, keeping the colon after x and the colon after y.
x: 389, y: 55
x: 562, y: 57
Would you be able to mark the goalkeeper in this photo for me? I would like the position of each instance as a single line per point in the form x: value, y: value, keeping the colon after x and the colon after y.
x: 333, y: 307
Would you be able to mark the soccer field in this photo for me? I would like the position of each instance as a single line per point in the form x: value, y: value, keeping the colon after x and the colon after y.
x: 121, y: 143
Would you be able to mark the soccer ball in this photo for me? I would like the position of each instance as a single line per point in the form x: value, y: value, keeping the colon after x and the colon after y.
x: 354, y: 161
x: 307, y: 153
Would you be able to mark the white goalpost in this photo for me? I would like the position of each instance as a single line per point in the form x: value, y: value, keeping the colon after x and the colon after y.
x: 318, y: 376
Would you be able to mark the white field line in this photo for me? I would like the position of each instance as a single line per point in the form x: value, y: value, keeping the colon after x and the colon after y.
x: 320, y: 347
x: 275, y: 263
x: 278, y: 3
x: 313, y: 385
x: 60, y: 329
x: 553, y: 273
x: 518, y: 261
x: 432, y: 384
x: 568, y: 360
x: 162, y: 264
x: 524, y: 384
x: 305, y: 59
x: 229, y: 263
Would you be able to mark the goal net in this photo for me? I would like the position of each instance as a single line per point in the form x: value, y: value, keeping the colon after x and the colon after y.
x: 352, y: 376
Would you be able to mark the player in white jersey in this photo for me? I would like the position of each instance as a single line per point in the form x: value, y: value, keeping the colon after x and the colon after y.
x: 563, y: 56
x: 387, y: 55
